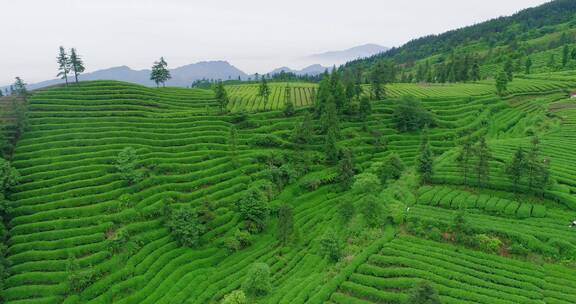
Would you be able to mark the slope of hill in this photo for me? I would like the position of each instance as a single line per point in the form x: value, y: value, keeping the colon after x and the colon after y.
x: 79, y: 233
x: 532, y: 32
x: 323, y: 204
x: 244, y: 97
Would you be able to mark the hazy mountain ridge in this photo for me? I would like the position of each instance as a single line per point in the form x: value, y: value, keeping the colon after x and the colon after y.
x: 311, y: 70
x: 181, y: 76
x: 219, y: 69
x: 342, y: 56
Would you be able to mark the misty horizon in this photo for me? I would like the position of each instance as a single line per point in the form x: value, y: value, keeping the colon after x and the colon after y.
x: 251, y: 36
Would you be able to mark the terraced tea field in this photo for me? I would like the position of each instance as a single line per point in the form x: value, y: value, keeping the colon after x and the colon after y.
x: 459, y: 275
x: 72, y: 205
x: 244, y: 98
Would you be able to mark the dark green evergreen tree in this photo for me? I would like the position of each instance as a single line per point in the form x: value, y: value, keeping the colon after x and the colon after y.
x: 465, y: 157
x: 221, y: 96
x: 331, y: 149
x: 346, y: 169
x: 425, y: 161
x: 537, y: 170
x: 76, y: 64
x: 285, y: 224
x: 303, y: 133
x: 323, y: 95
x: 551, y: 64
x: 410, y: 115
x: 63, y: 65
x: 377, y: 81
x: 20, y: 88
x: 528, y: 65
x: 288, y: 104
x: 475, y: 71
x: 329, y: 119
x: 338, y: 90
x: 515, y: 169
x: 365, y: 108
x: 501, y: 83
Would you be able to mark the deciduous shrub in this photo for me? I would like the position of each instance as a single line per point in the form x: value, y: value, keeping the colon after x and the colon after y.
x: 257, y: 282
x: 185, y: 226
x: 346, y: 211
x: 330, y: 246
x: 237, y: 241
x: 423, y: 293
x: 78, y: 279
x: 127, y: 165
x: 391, y: 168
x: 488, y: 243
x: 118, y: 240
x: 366, y: 183
x: 235, y: 297
x: 396, y: 212
x: 371, y: 210
x: 9, y: 176
x: 253, y: 209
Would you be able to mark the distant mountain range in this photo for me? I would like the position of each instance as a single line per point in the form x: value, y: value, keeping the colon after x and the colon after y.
x: 185, y: 75
x: 312, y: 70
x: 181, y: 76
x: 343, y: 56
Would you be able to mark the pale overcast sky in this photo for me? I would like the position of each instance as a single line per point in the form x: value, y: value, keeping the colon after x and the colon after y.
x: 254, y: 35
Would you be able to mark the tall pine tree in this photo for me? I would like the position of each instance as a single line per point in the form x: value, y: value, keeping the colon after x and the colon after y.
x: 425, y: 160
x: 221, y: 96
x: 483, y: 162
x: 515, y: 169
x: 64, y: 65
x: 465, y: 157
x: 76, y: 64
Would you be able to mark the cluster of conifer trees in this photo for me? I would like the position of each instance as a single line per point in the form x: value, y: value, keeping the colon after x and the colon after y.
x: 67, y: 64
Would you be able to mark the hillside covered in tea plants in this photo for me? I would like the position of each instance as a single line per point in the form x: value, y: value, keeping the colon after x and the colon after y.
x: 128, y: 194
x: 375, y: 184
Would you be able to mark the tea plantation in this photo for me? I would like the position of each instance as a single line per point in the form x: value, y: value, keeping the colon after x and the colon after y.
x: 82, y: 230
